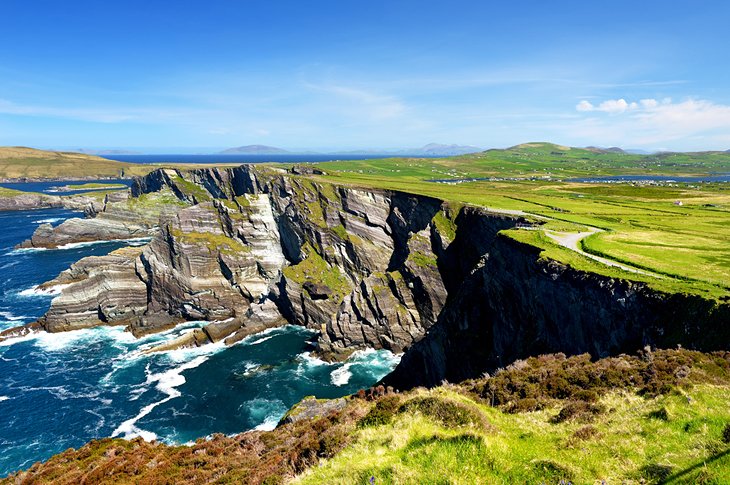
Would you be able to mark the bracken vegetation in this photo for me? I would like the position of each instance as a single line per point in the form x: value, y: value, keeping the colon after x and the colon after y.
x: 657, y: 417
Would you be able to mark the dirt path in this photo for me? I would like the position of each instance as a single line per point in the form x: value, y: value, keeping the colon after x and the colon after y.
x: 571, y: 240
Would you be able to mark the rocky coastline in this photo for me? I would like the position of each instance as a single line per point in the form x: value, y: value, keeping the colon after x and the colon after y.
x: 249, y: 248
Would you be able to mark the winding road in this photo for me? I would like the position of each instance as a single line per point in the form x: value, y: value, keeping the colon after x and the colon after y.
x: 571, y: 240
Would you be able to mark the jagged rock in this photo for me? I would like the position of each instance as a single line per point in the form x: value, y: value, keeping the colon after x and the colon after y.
x: 83, y: 230
x: 29, y: 201
x: 310, y: 407
x: 98, y: 290
x: 365, y: 268
x: 317, y: 291
x: 306, y: 170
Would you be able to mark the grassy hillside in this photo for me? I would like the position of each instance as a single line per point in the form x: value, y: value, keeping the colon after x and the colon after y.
x: 18, y: 162
x: 659, y: 417
x: 686, y: 247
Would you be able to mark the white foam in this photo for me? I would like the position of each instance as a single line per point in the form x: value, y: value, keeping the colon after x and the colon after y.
x: 9, y: 317
x: 262, y: 340
x: 55, y: 342
x: 50, y: 220
x: 84, y: 244
x: 36, y: 291
x: 310, y: 360
x: 269, y: 423
x: 4, y: 398
x: 24, y: 250
x: 183, y: 355
x: 341, y: 376
x: 166, y: 382
x: 31, y: 335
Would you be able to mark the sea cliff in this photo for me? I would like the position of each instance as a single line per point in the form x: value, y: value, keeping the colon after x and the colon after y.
x: 249, y: 248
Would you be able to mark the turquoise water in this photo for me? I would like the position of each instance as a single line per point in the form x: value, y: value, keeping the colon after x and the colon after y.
x: 61, y: 390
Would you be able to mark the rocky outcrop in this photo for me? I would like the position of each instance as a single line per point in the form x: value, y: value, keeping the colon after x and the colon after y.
x: 105, y: 289
x: 247, y: 249
x: 512, y: 304
x: 115, y: 218
x: 16, y: 200
x: 311, y: 408
x: 29, y: 201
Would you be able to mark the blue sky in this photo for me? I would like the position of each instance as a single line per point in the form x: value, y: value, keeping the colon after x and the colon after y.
x: 193, y: 75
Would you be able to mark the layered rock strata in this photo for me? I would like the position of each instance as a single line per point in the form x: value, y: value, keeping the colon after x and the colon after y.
x: 251, y: 248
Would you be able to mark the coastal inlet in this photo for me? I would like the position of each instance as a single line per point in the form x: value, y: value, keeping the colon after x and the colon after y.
x: 61, y: 390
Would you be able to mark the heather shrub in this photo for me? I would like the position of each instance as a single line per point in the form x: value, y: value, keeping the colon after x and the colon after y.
x: 381, y: 413
x: 448, y: 412
x: 578, y: 410
x: 726, y: 434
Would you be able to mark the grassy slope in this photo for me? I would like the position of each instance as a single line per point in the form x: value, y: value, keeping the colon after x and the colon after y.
x: 17, y: 162
x: 690, y: 243
x: 539, y: 421
x: 676, y: 431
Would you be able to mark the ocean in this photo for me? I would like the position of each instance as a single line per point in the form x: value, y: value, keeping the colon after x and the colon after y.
x: 62, y: 390
x: 250, y: 158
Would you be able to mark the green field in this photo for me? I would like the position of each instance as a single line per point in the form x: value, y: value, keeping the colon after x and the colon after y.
x: 682, y: 247
x: 678, y: 248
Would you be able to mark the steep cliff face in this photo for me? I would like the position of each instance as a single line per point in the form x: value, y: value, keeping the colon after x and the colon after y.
x: 512, y: 304
x: 117, y: 217
x: 250, y: 248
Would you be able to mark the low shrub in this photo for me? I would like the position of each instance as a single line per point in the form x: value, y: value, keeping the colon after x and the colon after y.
x: 726, y: 434
x: 381, y: 413
x: 655, y: 471
x: 448, y: 412
x: 661, y: 414
x: 578, y: 410
x: 551, y: 471
x: 526, y: 405
x: 578, y: 378
x: 585, y: 433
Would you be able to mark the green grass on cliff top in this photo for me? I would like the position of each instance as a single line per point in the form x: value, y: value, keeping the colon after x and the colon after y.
x: 675, y: 438
x: 689, y: 245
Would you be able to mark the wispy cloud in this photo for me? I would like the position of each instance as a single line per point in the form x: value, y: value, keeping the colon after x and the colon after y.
x: 108, y: 114
x: 362, y: 102
x: 648, y: 122
x: 99, y: 116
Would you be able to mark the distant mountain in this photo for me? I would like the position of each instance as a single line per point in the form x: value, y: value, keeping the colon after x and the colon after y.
x: 255, y: 150
x: 437, y: 149
x: 606, y: 150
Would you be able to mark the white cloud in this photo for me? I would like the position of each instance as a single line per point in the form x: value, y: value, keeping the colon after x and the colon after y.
x: 650, y: 122
x: 585, y: 106
x: 612, y: 106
